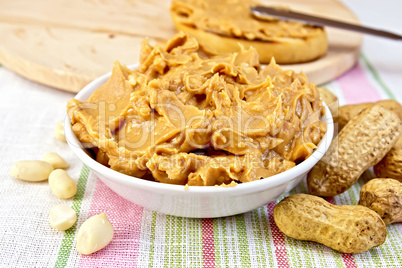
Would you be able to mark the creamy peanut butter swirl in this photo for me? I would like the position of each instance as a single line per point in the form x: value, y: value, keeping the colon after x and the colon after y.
x: 183, y: 117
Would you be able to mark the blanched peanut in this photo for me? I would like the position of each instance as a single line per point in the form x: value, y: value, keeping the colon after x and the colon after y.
x: 61, y: 184
x: 59, y: 131
x: 31, y: 170
x: 94, y: 234
x: 55, y: 160
x: 62, y: 217
x: 347, y: 229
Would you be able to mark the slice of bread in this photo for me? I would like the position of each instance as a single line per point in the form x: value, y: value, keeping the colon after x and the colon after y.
x: 223, y: 26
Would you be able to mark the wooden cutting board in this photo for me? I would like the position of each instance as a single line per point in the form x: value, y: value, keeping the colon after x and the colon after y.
x: 66, y: 44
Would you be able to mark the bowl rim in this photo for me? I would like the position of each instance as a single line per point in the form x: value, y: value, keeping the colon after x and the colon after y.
x: 253, y: 186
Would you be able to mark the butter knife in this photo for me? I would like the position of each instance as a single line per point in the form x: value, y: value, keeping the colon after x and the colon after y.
x: 262, y: 12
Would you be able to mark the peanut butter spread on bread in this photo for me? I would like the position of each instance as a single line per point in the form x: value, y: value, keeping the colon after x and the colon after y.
x: 227, y: 26
x: 184, y: 117
x: 233, y: 18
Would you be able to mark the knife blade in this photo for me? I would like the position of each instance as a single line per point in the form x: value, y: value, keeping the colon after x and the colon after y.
x: 262, y: 12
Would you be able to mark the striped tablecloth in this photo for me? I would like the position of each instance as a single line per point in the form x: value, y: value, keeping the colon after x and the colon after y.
x: 145, y: 238
x: 148, y: 239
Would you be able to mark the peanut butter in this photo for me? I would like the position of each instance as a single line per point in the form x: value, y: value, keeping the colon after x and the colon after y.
x: 224, y: 26
x: 184, y: 117
x: 233, y: 18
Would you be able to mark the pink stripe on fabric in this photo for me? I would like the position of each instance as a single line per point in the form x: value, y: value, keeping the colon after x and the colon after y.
x: 330, y: 200
x: 346, y: 258
x: 126, y: 220
x: 208, y: 246
x: 356, y: 88
x: 277, y: 236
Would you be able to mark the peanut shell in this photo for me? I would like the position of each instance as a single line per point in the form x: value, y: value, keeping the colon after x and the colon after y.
x: 347, y: 112
x: 391, y: 165
x: 347, y: 229
x: 330, y: 99
x: 384, y: 196
x: 362, y: 143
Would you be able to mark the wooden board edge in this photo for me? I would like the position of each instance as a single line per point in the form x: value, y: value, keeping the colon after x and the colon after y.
x: 58, y: 79
x: 334, y: 71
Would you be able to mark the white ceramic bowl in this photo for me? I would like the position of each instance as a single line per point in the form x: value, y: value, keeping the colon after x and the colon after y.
x: 196, y: 201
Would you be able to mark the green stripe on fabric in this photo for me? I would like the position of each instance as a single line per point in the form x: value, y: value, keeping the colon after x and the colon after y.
x: 179, y: 241
x: 67, y: 242
x: 292, y: 250
x: 196, y: 234
x: 221, y: 258
x: 256, y: 225
x: 225, y: 243
x: 169, y: 240
x: 152, y: 246
x: 377, y: 77
x: 336, y: 255
x: 266, y: 227
x: 174, y: 242
x: 342, y: 199
x: 303, y: 187
x: 194, y: 256
x: 309, y: 248
x: 394, y: 238
x: 351, y: 192
x: 338, y: 259
x: 242, y: 239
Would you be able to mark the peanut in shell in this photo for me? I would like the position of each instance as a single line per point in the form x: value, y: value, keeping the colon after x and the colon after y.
x: 362, y: 143
x: 347, y: 229
x: 391, y: 165
x: 330, y: 99
x: 383, y: 196
x: 347, y: 112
